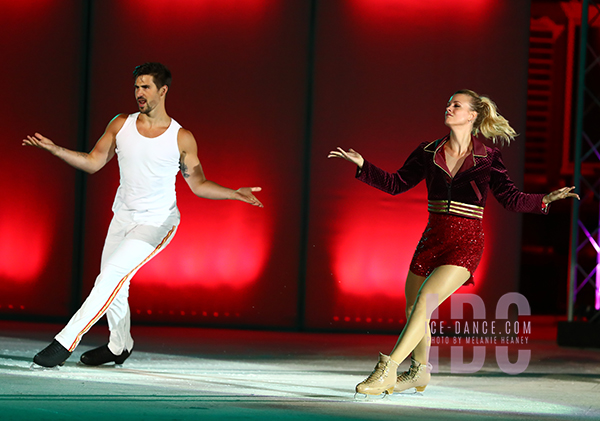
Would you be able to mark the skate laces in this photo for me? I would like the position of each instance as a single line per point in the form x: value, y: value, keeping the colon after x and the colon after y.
x: 414, y: 371
x: 379, y: 371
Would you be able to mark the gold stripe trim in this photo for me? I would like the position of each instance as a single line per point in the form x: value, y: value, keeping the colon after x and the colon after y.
x: 453, y: 206
x: 442, y: 206
x: 452, y: 202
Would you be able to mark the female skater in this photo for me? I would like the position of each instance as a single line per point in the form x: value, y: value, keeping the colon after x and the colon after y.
x: 459, y: 171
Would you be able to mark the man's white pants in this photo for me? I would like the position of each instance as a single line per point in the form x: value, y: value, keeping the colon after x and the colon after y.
x: 127, y: 248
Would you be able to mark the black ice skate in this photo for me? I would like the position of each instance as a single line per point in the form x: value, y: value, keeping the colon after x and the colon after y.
x: 103, y: 355
x: 50, y: 357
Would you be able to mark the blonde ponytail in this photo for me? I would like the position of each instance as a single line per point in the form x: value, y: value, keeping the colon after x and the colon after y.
x: 489, y: 122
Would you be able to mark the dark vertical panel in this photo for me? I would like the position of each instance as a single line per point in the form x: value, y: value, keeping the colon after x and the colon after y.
x: 308, y: 127
x: 40, y: 48
x: 82, y: 142
x: 239, y: 86
x: 384, y: 71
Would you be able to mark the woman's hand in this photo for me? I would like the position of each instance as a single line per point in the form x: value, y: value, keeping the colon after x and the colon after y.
x: 560, y: 194
x: 351, y: 156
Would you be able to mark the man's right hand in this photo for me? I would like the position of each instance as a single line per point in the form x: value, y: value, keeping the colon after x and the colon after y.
x: 41, y: 142
x: 103, y: 151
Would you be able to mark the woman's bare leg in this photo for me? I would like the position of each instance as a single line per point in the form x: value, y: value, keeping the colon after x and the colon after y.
x: 438, y: 286
x: 411, y: 291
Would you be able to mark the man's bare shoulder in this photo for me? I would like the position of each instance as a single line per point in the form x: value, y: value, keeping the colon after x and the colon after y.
x: 185, y: 136
x: 117, y: 123
x: 119, y: 120
x: 186, y: 141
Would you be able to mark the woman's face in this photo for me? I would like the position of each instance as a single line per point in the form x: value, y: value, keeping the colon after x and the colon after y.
x: 459, y: 112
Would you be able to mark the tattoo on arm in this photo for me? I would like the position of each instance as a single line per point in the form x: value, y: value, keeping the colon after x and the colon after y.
x: 183, y: 167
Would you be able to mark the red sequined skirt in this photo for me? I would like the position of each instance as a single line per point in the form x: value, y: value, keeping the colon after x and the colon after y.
x: 449, y: 240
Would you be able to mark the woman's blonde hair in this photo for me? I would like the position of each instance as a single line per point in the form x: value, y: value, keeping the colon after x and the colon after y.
x: 489, y: 122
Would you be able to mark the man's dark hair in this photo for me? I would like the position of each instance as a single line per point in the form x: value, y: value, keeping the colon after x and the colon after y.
x: 159, y: 72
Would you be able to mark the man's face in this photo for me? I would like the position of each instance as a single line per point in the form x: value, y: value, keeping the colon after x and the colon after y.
x: 148, y: 97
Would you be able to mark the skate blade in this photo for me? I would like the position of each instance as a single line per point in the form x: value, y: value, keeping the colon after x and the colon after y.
x: 37, y: 367
x: 80, y: 364
x: 361, y: 397
x: 412, y: 391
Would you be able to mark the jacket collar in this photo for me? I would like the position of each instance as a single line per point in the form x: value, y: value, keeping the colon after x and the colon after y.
x: 479, y: 148
x: 436, y: 147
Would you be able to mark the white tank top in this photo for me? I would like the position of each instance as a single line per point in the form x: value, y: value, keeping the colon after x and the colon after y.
x: 148, y: 168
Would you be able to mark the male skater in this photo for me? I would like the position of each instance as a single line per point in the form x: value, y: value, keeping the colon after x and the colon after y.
x: 151, y: 149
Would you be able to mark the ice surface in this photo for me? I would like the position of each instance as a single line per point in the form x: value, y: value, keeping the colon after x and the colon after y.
x: 282, y: 376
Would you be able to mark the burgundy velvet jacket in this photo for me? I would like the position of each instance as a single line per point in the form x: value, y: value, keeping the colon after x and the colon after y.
x: 481, y: 172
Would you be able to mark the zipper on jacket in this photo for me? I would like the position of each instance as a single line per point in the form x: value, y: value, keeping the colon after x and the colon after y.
x: 449, y: 184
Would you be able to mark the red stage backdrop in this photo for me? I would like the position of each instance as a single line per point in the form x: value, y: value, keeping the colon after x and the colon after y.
x: 40, y: 79
x: 383, y: 72
x: 239, y: 85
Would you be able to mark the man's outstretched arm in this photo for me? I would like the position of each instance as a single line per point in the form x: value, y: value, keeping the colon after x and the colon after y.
x: 192, y: 172
x: 91, y: 162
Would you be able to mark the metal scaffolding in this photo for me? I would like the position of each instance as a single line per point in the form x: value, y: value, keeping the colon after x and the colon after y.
x: 584, y: 267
